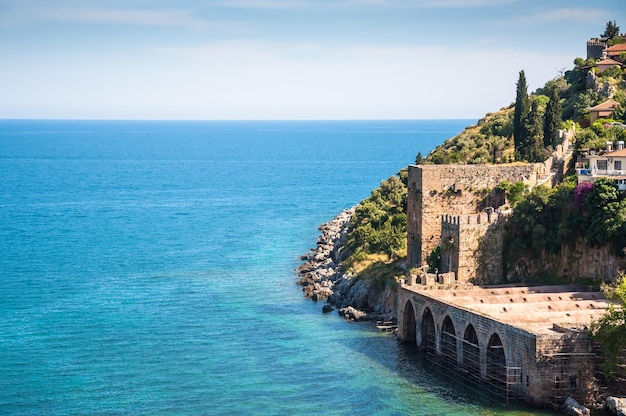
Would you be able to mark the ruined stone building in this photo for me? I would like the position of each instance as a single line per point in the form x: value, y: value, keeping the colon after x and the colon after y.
x: 527, y: 343
x: 453, y: 207
x: 531, y: 343
x: 457, y: 208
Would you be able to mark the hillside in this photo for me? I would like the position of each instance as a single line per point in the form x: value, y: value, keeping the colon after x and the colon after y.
x: 548, y: 226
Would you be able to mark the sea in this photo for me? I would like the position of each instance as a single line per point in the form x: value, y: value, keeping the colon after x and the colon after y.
x: 147, y: 268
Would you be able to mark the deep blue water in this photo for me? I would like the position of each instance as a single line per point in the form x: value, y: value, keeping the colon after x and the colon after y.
x: 147, y: 268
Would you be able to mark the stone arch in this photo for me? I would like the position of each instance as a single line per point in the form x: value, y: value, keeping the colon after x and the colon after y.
x: 409, y: 327
x: 448, y: 341
x: 428, y: 342
x: 471, y: 351
x: 496, y: 361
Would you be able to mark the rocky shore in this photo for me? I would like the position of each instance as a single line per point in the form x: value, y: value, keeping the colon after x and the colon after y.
x: 322, y: 278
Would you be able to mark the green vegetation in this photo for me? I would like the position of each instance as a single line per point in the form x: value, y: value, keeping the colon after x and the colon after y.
x: 378, y: 228
x: 611, y: 31
x: 610, y: 331
x: 522, y: 111
x: 549, y: 219
x: 552, y: 120
x: 526, y: 131
x: 513, y: 192
x: 490, y: 141
x: 598, y: 134
x: 434, y: 259
x: 544, y: 221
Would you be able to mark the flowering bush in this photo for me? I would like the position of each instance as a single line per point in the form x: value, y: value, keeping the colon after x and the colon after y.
x: 581, y: 191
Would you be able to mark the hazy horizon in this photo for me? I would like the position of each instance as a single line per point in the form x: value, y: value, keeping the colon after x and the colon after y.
x: 284, y: 59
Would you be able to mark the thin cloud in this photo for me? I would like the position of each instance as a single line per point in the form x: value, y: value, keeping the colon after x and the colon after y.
x: 174, y: 18
x: 299, y: 4
x: 581, y: 15
x: 266, y: 4
x: 166, y: 18
x: 458, y: 4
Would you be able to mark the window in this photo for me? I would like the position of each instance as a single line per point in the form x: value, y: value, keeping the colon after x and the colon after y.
x: 602, y: 164
x: 617, y: 165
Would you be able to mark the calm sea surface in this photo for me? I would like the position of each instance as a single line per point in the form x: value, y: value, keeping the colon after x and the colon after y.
x: 147, y: 268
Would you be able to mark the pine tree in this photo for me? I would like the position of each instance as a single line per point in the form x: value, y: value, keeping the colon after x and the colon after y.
x: 552, y: 119
x: 611, y: 30
x: 522, y: 108
x: 419, y: 159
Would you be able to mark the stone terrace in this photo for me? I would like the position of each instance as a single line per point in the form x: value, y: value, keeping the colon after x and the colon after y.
x: 534, y: 309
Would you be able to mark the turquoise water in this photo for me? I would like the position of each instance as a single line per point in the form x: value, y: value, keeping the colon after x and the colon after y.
x: 147, y: 268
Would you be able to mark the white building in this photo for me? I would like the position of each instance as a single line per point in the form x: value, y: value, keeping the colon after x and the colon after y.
x: 610, y: 164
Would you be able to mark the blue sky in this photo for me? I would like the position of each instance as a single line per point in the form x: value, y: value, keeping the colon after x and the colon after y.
x: 284, y: 59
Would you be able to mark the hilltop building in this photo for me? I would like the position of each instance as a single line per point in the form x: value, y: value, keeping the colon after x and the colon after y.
x: 609, y: 164
x: 602, y: 110
x: 597, y: 49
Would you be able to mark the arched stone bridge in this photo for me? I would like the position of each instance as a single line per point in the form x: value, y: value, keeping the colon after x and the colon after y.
x: 468, y: 330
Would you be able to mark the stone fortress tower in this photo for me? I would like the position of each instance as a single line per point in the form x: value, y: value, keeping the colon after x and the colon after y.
x: 455, y: 207
x: 445, y: 209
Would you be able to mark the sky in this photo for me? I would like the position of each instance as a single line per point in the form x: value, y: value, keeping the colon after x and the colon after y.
x: 285, y: 59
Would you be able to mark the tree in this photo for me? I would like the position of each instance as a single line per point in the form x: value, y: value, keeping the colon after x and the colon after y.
x: 611, y: 30
x: 531, y: 147
x: 610, y: 330
x: 522, y: 108
x: 419, y: 159
x: 605, y: 222
x: 552, y: 119
x: 584, y: 100
x: 434, y: 260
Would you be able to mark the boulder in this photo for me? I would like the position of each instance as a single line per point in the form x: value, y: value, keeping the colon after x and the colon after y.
x: 327, y: 308
x: 616, y: 405
x: 352, y: 314
x: 573, y: 408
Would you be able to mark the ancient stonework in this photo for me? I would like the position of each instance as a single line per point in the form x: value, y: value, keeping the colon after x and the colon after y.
x: 453, y: 206
x: 526, y: 342
x: 457, y: 208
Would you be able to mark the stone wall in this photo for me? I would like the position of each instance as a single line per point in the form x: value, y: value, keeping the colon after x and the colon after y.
x: 565, y: 367
x: 457, y: 190
x: 461, y: 239
x: 574, y: 261
x: 543, y: 369
x: 518, y: 345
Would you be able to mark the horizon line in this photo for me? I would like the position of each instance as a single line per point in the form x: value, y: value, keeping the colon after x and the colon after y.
x: 234, y: 120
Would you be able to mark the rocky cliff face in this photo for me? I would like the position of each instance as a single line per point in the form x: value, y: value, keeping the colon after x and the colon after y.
x: 322, y: 278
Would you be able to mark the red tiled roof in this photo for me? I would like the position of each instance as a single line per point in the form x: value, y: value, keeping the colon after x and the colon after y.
x: 609, y: 61
x: 620, y: 47
x: 617, y: 153
x: 607, y: 105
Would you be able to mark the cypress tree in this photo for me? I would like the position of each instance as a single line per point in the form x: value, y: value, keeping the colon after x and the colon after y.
x: 533, y: 150
x: 522, y: 108
x: 552, y: 120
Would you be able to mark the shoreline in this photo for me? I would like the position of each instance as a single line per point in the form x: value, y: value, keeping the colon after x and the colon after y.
x: 322, y: 278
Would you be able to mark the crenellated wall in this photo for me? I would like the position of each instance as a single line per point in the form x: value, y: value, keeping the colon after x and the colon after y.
x: 435, y: 191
